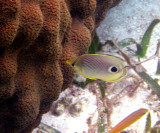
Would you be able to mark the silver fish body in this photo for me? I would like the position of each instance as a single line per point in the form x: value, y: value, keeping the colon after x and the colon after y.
x: 97, y: 66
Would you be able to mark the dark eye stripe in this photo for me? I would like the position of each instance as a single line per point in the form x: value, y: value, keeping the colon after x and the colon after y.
x: 114, y: 69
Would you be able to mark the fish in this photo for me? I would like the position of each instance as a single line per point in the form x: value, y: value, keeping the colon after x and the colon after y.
x: 132, y: 118
x: 98, y: 66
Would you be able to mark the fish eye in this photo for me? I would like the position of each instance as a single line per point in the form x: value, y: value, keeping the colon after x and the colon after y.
x: 113, y: 69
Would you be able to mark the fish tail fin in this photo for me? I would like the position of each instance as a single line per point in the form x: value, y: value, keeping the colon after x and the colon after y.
x: 69, y: 62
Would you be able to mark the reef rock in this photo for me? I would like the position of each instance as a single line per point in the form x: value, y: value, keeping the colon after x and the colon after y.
x: 36, y: 38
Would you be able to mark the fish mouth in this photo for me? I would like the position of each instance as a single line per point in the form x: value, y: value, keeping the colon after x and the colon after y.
x: 124, y: 73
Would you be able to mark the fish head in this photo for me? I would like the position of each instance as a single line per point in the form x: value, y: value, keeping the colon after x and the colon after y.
x: 115, y: 70
x: 115, y: 74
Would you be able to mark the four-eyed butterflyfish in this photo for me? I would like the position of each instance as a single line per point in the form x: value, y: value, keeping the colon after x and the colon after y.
x: 98, y: 66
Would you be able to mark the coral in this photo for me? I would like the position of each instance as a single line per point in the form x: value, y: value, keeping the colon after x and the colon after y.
x: 36, y: 38
x: 102, y: 8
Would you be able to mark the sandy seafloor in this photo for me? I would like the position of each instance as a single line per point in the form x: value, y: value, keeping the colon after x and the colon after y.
x: 129, y: 19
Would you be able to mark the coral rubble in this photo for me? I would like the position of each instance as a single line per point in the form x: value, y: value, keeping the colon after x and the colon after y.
x: 36, y: 38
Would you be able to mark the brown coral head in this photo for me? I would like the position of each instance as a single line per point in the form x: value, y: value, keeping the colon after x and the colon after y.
x: 36, y: 38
